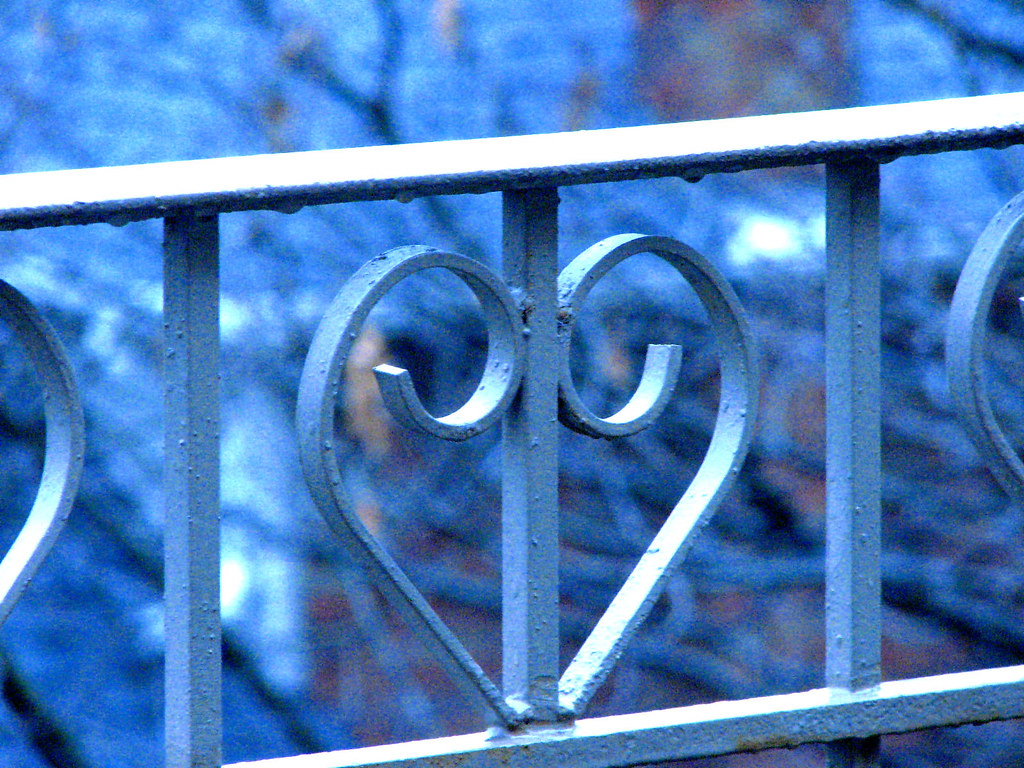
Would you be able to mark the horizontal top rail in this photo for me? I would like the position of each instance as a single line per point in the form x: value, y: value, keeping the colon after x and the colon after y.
x: 289, y: 181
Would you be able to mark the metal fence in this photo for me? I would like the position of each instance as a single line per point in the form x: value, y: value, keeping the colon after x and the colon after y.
x: 538, y: 710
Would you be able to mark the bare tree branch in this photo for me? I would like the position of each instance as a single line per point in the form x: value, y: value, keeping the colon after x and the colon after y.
x: 236, y: 657
x: 965, y: 37
x: 50, y: 739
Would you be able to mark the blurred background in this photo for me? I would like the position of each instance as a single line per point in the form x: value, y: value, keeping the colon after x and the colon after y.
x: 313, y: 658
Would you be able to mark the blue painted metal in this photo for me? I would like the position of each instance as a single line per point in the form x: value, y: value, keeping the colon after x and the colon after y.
x: 705, y: 730
x: 525, y: 377
x: 853, y: 433
x: 289, y: 181
x: 192, y: 625
x: 315, y: 416
x: 965, y: 342
x: 530, y: 638
x: 526, y: 384
x: 65, y: 446
x: 737, y: 414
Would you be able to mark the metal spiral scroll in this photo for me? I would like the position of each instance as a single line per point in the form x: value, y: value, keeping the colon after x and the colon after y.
x: 965, y: 343
x: 318, y: 393
x: 503, y: 372
x: 730, y: 440
x: 65, y: 446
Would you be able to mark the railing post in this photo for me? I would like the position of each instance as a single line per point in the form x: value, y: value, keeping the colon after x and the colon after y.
x: 530, y: 459
x: 192, y: 492
x: 853, y: 454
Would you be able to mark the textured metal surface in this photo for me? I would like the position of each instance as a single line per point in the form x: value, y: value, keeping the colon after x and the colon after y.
x: 503, y: 368
x: 663, y: 361
x: 192, y: 491
x: 65, y: 446
x: 853, y: 452
x: 529, y: 313
x: 823, y: 715
x: 526, y: 376
x: 965, y: 342
x: 287, y: 182
x: 315, y: 417
x: 737, y: 414
x: 530, y: 640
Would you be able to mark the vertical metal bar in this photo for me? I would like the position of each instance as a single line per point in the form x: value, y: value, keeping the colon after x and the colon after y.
x: 853, y: 454
x: 530, y: 461
x: 191, y: 488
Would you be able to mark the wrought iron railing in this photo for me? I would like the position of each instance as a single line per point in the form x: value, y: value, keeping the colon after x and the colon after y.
x: 530, y: 309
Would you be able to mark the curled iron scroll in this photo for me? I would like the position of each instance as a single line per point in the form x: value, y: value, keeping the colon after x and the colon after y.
x: 321, y: 384
x: 661, y: 366
x: 728, y: 448
x: 318, y: 393
x: 65, y: 446
x: 663, y: 361
x: 502, y: 370
x: 965, y: 343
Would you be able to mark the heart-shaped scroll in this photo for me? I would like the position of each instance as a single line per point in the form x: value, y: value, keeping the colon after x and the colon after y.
x: 965, y: 342
x: 503, y: 370
x: 726, y: 452
x: 65, y: 446
x: 318, y: 393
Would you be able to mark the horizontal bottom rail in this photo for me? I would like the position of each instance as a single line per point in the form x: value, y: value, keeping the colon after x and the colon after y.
x: 704, y: 730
